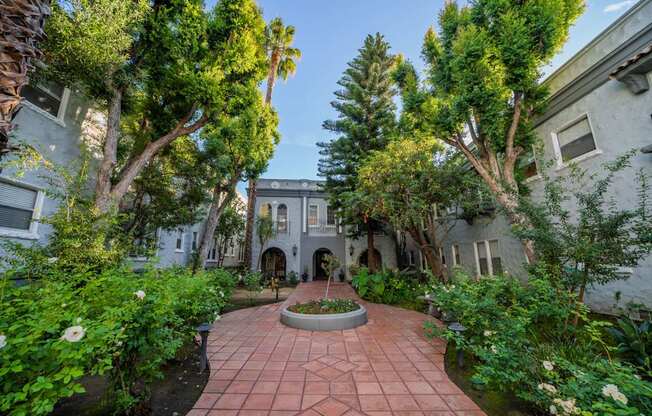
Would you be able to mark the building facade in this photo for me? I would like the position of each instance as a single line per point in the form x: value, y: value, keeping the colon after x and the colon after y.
x: 306, y: 229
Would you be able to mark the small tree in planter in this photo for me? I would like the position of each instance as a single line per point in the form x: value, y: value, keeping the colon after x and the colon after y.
x: 329, y: 264
x: 304, y: 276
x: 252, y: 281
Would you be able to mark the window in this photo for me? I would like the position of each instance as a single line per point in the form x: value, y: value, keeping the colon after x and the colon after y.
x: 180, y: 238
x: 49, y: 98
x: 412, y: 258
x: 313, y: 215
x: 441, y: 256
x: 194, y: 241
x: 529, y: 166
x: 488, y: 258
x: 240, y: 252
x: 575, y: 140
x: 455, y: 248
x: 230, y: 249
x: 19, y: 208
x: 212, y: 253
x: 282, y: 218
x: 330, y: 216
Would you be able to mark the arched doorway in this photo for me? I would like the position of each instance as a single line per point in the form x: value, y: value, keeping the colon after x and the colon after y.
x: 319, y: 272
x: 363, y: 261
x: 273, y: 263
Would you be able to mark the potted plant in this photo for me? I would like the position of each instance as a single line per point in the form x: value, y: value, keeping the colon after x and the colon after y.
x: 342, y: 275
x: 304, y: 276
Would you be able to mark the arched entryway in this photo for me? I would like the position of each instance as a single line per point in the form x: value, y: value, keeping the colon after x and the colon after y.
x: 319, y: 273
x: 273, y: 263
x: 363, y: 261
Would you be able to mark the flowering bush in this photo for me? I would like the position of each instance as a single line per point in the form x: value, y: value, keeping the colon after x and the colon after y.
x: 119, y: 323
x: 521, y: 340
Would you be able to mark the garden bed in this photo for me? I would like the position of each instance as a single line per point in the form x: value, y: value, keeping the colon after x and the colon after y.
x: 325, y: 306
x: 175, y: 393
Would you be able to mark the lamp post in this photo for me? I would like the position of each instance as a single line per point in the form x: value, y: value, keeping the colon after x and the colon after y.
x: 204, y: 329
x: 459, y: 329
x: 294, y: 250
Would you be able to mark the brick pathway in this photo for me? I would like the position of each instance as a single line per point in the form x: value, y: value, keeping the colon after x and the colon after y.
x: 260, y: 367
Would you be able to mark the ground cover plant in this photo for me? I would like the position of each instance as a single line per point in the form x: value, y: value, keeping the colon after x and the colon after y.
x: 325, y: 306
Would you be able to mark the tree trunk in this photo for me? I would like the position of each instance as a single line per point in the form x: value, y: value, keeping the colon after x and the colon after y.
x: 430, y: 253
x: 371, y: 250
x: 109, y: 156
x: 251, y: 197
x: 21, y: 23
x: 249, y: 226
x: 218, y: 205
x: 137, y: 163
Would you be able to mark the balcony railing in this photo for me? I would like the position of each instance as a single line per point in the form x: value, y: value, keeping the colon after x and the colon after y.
x: 322, y: 228
x: 281, y: 227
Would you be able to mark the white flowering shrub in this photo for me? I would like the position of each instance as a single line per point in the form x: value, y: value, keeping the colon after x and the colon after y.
x: 522, y: 341
x: 119, y: 323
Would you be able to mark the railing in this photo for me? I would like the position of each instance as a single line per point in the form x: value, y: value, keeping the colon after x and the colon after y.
x: 322, y: 228
x: 281, y: 227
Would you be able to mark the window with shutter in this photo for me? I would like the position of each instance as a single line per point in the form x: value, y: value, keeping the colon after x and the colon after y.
x: 17, y: 205
x: 576, y: 140
x: 48, y: 97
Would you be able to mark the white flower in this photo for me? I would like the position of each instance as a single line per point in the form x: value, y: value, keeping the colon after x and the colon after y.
x: 73, y: 334
x: 221, y: 293
x: 567, y: 406
x: 3, y: 341
x: 547, y: 387
x: 217, y: 317
x: 140, y: 294
x: 53, y: 260
x: 63, y: 305
x: 493, y: 349
x: 78, y: 320
x: 488, y: 333
x: 452, y: 286
x: 553, y: 409
x: 611, y: 390
x: 548, y: 365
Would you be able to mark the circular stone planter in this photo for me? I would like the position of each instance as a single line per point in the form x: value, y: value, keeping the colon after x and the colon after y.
x: 325, y: 322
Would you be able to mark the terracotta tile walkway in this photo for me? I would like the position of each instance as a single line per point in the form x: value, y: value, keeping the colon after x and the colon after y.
x: 260, y: 367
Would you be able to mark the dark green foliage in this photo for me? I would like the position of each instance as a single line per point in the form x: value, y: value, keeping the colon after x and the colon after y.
x: 634, y: 342
x: 366, y: 120
x: 325, y: 306
x: 388, y: 287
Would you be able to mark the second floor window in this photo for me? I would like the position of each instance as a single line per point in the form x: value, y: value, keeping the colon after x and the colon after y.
x: 330, y: 216
x: 488, y: 258
x: 313, y: 215
x: 179, y: 244
x: 456, y: 255
x: 575, y: 140
x: 17, y: 205
x: 282, y: 218
x: 194, y: 241
x: 49, y: 97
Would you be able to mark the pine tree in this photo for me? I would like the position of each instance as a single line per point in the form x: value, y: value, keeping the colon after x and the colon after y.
x: 366, y: 122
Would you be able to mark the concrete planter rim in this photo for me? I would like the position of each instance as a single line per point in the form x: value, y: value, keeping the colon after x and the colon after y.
x: 324, y: 322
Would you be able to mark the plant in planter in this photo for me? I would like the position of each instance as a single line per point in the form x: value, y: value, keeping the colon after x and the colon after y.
x: 304, y: 276
x: 330, y: 264
x: 342, y: 276
x: 325, y: 306
x: 293, y: 278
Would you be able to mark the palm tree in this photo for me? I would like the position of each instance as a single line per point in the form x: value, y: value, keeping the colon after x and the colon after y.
x: 282, y: 63
x: 21, y: 28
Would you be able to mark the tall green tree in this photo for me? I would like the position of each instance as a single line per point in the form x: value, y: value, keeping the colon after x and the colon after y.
x: 366, y: 122
x: 230, y: 229
x: 484, y: 72
x: 237, y: 146
x: 282, y: 59
x: 166, y: 66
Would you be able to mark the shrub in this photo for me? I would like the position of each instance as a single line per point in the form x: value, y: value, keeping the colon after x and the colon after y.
x: 128, y: 325
x: 293, y: 278
x: 387, y: 287
x: 253, y: 283
x: 521, y: 340
x: 634, y: 343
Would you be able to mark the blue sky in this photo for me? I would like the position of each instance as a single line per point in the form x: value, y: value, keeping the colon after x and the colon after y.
x: 329, y: 32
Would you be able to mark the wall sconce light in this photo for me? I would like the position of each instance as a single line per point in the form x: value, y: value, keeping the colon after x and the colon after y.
x: 351, y: 250
x: 294, y: 250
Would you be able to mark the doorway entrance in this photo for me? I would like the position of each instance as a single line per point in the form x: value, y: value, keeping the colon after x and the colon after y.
x: 364, y: 262
x: 317, y: 264
x: 273, y: 262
